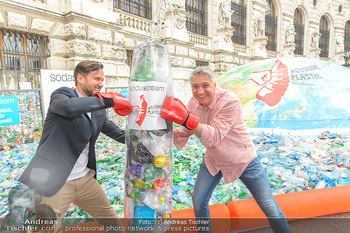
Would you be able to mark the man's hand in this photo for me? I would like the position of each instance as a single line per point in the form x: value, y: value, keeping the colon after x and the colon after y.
x: 178, y: 134
x: 175, y: 111
x: 117, y: 101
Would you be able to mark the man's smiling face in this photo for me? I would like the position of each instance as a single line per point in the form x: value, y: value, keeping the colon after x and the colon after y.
x: 203, y: 89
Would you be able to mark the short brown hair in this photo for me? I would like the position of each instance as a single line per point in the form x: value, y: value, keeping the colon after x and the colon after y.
x: 85, y: 67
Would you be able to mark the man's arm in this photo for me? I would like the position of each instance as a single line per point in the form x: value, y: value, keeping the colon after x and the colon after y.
x: 64, y: 102
x: 181, y: 136
x: 198, y: 130
x: 113, y: 131
x: 174, y: 110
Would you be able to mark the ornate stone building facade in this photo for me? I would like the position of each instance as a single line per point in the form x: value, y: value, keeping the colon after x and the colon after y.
x: 220, y: 33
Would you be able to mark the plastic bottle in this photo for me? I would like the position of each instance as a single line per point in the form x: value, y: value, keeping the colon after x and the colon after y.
x: 321, y: 184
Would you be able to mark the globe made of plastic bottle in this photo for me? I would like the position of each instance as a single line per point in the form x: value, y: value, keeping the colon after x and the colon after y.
x: 149, y: 166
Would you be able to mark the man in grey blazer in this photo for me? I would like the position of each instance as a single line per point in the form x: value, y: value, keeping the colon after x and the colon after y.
x: 63, y: 169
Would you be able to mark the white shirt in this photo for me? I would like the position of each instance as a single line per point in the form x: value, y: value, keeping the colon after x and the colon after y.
x: 80, y: 168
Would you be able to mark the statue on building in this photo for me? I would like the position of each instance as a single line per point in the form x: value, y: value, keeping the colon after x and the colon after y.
x: 225, y: 13
x: 259, y: 26
x: 290, y: 33
x: 339, y: 44
x: 174, y: 10
x: 109, y: 4
x: 315, y: 38
x: 263, y: 44
x: 176, y: 4
x: 174, y: 21
x: 180, y: 21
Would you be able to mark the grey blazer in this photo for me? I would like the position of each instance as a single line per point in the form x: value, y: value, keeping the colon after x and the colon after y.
x: 67, y: 129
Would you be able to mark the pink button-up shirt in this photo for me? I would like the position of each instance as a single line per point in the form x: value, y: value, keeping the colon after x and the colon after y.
x: 229, y: 147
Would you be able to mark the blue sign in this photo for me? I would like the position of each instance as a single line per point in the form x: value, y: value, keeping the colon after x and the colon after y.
x: 124, y: 93
x: 9, y: 111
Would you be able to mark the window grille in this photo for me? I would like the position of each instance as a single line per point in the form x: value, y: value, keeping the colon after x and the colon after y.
x: 197, y: 16
x: 129, y: 57
x: 141, y: 8
x: 324, y: 39
x: 238, y: 22
x: 271, y: 26
x: 299, y: 39
x: 271, y: 32
x: 23, y: 51
x: 201, y: 63
x: 128, y: 60
x: 299, y: 30
x: 239, y: 2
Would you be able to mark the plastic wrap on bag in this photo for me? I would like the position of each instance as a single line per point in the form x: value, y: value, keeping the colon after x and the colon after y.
x: 149, y: 166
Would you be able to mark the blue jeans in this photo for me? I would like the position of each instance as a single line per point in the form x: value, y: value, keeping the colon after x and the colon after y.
x: 257, y: 183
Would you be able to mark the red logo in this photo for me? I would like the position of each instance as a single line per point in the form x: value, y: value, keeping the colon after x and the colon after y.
x: 274, y: 83
x: 141, y: 110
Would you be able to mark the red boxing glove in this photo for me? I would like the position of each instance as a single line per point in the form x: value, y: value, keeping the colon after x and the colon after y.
x: 117, y: 101
x: 175, y: 111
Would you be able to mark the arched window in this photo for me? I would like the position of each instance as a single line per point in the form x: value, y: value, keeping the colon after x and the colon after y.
x: 23, y: 51
x: 197, y: 16
x: 271, y: 26
x: 324, y: 40
x: 239, y: 21
x: 141, y: 8
x: 299, y: 30
x: 347, y: 41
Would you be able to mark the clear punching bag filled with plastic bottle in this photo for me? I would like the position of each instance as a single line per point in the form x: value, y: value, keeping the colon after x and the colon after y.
x: 149, y: 167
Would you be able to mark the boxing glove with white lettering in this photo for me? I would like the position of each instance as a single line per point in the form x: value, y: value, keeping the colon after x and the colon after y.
x: 175, y: 111
x: 117, y: 101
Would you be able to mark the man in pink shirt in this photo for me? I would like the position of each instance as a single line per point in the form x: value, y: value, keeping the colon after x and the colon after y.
x: 215, y: 116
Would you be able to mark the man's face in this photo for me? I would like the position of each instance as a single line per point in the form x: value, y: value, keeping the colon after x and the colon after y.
x: 91, y: 84
x: 203, y: 89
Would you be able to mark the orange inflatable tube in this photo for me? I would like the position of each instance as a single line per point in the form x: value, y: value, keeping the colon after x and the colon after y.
x: 299, y: 205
